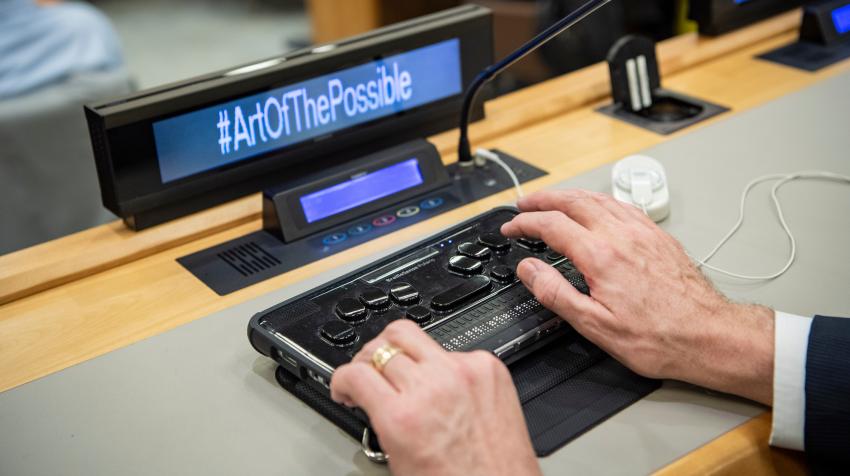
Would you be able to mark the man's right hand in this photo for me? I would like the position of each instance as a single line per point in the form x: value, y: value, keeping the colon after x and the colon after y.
x: 650, y: 307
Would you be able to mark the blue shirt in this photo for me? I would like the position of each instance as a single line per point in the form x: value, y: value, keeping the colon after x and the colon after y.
x: 42, y: 45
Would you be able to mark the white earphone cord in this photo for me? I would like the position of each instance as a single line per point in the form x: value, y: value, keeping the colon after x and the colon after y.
x: 782, y: 180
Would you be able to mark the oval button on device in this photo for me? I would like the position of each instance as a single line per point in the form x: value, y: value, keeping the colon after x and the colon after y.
x: 474, y: 251
x: 502, y: 273
x: 431, y: 203
x: 465, y: 265
x: 338, y: 333
x: 374, y: 298
x: 461, y: 293
x: 407, y: 212
x: 419, y: 314
x: 404, y: 294
x: 334, y: 238
x: 532, y: 244
x: 495, y: 241
x: 384, y: 220
x: 351, y: 310
x: 359, y: 229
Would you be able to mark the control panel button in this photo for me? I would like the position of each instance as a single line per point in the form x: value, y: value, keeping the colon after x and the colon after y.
x: 464, y: 265
x: 532, y: 244
x: 419, y: 314
x: 407, y: 212
x: 431, y: 203
x: 374, y: 298
x: 384, y: 220
x: 554, y: 256
x: 404, y: 294
x: 495, y: 241
x: 502, y: 273
x: 473, y: 250
x: 461, y: 293
x: 338, y: 333
x: 359, y: 229
x: 351, y: 310
x: 334, y: 238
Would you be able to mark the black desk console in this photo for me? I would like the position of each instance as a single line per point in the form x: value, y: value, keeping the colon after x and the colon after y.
x: 345, y: 207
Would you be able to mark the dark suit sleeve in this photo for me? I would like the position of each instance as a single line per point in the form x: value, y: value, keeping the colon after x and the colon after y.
x: 827, y: 427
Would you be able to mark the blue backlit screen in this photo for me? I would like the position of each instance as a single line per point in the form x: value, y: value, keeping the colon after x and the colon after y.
x: 841, y: 19
x: 361, y: 190
x: 226, y: 133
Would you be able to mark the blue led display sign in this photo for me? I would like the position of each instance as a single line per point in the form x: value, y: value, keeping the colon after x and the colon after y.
x: 361, y: 190
x: 215, y: 136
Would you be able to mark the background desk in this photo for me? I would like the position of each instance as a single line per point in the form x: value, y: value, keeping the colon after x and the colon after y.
x: 62, y: 321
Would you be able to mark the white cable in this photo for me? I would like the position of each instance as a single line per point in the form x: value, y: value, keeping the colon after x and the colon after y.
x: 782, y: 180
x: 493, y: 157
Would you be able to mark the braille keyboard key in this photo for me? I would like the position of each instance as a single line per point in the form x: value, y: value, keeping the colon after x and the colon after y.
x: 461, y: 293
x: 495, y: 242
x: 554, y: 256
x: 502, y: 273
x: 532, y: 244
x: 465, y: 265
x: 419, y: 314
x: 338, y: 333
x: 404, y: 294
x: 473, y: 250
x: 374, y: 298
x: 351, y: 310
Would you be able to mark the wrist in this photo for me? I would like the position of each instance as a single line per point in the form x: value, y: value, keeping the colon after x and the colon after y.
x: 734, y: 352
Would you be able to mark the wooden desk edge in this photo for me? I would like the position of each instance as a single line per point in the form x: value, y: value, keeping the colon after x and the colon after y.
x: 743, y: 450
x: 64, y: 260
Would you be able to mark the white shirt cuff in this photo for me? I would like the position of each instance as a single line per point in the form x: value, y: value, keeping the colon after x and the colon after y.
x: 789, y: 380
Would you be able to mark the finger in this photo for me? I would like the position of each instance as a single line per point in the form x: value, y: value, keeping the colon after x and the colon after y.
x: 406, y: 336
x: 363, y: 386
x: 559, y: 296
x: 580, y: 205
x: 558, y: 231
x: 400, y: 371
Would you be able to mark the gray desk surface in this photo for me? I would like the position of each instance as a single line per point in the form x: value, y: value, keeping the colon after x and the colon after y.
x: 198, y: 399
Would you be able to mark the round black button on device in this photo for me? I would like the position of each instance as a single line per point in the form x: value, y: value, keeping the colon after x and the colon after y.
x: 374, y: 298
x: 419, y: 314
x: 404, y: 294
x: 351, y: 310
x: 495, y: 242
x: 502, y: 273
x: 464, y: 265
x: 473, y: 250
x: 532, y: 244
x: 338, y: 333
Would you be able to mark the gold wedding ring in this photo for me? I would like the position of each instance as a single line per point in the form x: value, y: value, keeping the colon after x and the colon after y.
x: 382, y: 355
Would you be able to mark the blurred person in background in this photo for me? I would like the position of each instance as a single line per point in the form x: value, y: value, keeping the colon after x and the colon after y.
x: 54, y: 58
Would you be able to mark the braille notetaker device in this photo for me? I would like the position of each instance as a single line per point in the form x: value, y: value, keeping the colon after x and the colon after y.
x: 459, y: 285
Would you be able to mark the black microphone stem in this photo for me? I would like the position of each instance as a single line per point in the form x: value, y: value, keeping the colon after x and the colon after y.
x: 464, y: 153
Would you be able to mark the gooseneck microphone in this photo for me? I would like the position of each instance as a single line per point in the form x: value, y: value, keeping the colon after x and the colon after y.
x: 463, y: 151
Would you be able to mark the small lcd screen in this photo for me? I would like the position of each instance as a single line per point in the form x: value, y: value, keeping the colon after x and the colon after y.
x: 215, y: 136
x: 841, y: 19
x: 361, y: 190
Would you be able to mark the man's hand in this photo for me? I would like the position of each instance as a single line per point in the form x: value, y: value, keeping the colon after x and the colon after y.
x: 651, y: 308
x: 435, y: 412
